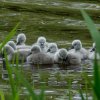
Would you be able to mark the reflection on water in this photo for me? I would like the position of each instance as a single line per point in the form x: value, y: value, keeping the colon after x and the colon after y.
x: 73, y: 5
x: 57, y: 78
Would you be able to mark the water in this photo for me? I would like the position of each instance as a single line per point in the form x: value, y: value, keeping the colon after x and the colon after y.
x: 45, y: 17
x: 59, y: 21
x: 56, y: 79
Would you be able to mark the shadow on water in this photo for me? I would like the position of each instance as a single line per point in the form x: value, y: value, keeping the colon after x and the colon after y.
x: 56, y: 78
x: 56, y: 67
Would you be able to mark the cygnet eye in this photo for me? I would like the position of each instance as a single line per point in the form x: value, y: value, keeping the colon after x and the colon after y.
x: 51, y: 47
x: 39, y: 41
x: 75, y: 44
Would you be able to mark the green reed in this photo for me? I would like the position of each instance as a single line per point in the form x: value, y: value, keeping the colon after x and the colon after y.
x: 96, y: 38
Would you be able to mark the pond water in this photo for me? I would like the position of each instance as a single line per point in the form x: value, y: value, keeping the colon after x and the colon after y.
x: 59, y: 21
x: 57, y: 79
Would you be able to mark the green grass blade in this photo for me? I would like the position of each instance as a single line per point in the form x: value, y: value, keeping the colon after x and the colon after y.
x: 96, y: 37
x: 96, y: 79
x: 27, y: 85
x: 81, y: 94
x: 2, y: 95
x: 87, y: 81
x: 69, y: 90
x: 42, y: 96
x: 42, y: 93
x: 11, y: 80
x: 20, y: 79
x: 17, y: 96
x: 93, y: 30
x: 10, y: 35
x: 16, y: 69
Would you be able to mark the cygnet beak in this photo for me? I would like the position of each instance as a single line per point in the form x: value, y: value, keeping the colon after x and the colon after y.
x: 93, y: 49
x: 42, y: 45
x: 48, y: 50
x: 17, y: 43
x: 29, y: 53
x: 72, y: 47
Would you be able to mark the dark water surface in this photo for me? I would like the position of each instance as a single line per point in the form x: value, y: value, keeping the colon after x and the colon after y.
x: 57, y: 20
x: 57, y: 79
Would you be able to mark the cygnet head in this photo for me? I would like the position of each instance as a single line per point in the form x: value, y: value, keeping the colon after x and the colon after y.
x: 21, y: 39
x: 41, y: 42
x: 8, y: 49
x: 12, y: 44
x: 77, y: 44
x: 93, y: 47
x: 35, y: 49
x: 62, y: 53
x: 52, y: 48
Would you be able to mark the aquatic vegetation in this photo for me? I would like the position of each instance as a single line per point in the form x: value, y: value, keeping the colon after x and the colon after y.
x: 96, y: 37
x: 11, y: 34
